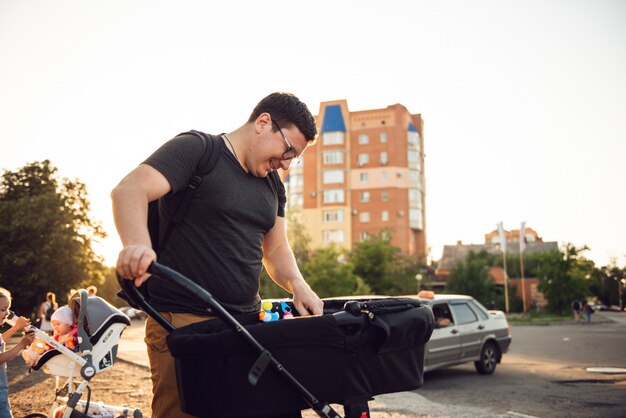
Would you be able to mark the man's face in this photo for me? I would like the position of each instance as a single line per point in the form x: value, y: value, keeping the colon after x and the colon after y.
x: 276, y: 147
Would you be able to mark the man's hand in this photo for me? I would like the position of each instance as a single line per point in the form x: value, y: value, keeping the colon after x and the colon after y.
x: 306, y: 300
x: 133, y: 263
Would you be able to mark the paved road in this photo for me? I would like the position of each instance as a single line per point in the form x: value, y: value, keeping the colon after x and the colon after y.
x: 544, y: 375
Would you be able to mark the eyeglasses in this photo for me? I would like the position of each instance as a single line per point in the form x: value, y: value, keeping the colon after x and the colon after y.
x: 290, y: 154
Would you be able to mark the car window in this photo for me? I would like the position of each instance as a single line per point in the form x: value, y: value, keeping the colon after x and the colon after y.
x: 463, y: 313
x: 479, y: 309
x: 443, y: 316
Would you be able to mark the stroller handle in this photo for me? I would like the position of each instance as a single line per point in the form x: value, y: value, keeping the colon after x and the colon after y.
x: 166, y: 273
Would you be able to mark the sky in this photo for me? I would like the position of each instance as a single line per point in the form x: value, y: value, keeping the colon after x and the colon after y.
x: 524, y: 102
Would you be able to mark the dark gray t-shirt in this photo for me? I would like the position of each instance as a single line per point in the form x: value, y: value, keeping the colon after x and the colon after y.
x: 218, y: 244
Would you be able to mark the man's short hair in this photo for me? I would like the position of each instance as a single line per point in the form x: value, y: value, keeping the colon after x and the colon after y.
x: 286, y: 110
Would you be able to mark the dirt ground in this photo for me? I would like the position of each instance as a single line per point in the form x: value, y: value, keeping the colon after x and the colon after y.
x: 123, y: 384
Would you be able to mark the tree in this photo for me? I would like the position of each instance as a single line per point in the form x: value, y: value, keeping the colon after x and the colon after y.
x: 299, y: 238
x: 383, y: 267
x: 46, y: 235
x: 330, y: 274
x: 269, y: 289
x: 562, y: 277
x: 471, y: 277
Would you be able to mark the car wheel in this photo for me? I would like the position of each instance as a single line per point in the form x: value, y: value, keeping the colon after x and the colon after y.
x: 488, y: 359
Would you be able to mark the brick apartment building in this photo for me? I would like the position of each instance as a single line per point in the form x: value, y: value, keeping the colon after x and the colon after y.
x: 364, y: 174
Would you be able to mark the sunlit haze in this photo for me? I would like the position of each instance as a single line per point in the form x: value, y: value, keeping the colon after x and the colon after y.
x: 523, y: 101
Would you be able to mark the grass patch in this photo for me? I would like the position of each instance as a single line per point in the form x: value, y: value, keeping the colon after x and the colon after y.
x: 538, y: 318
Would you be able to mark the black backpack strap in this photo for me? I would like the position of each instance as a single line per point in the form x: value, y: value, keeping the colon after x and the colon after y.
x: 205, y: 166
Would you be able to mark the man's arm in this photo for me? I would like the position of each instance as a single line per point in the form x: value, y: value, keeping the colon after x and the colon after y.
x: 130, y: 212
x: 281, y: 265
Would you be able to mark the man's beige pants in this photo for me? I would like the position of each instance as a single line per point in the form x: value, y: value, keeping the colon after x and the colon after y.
x: 165, y: 400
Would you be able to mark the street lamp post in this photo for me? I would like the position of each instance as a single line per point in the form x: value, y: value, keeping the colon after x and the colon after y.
x: 418, y: 278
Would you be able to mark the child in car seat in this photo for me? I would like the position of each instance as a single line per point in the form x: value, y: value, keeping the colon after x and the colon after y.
x: 65, y: 331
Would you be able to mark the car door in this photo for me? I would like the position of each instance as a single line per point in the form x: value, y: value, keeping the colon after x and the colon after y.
x: 470, y: 329
x: 444, y: 345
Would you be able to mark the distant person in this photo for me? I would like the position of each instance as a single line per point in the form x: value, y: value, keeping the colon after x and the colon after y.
x: 92, y: 290
x: 588, y: 308
x: 576, y: 307
x: 27, y: 339
x: 46, y: 310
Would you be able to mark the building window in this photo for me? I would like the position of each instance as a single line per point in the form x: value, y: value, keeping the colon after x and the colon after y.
x: 415, y: 177
x: 364, y: 197
x: 383, y: 137
x: 363, y: 236
x: 383, y: 175
x: 415, y: 197
x: 364, y: 217
x: 333, y: 216
x: 295, y: 180
x: 414, y: 156
x: 364, y: 139
x: 363, y: 177
x: 384, y: 196
x: 333, y: 176
x: 333, y: 157
x: 414, y: 139
x: 333, y: 196
x: 333, y: 235
x: 296, y: 199
x: 384, y: 158
x: 364, y: 158
x: 384, y: 216
x: 332, y: 138
x: 415, y: 218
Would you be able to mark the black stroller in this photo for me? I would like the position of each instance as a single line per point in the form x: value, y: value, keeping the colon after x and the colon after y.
x: 239, y: 366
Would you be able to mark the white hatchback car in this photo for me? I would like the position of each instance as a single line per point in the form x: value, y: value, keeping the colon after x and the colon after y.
x: 465, y: 331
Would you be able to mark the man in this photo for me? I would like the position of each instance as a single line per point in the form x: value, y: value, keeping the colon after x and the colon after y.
x: 235, y: 223
x: 576, y: 307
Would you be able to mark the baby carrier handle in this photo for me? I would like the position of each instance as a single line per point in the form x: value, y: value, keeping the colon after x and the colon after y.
x: 323, y: 409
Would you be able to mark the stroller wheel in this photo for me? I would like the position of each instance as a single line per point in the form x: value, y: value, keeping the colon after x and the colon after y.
x: 36, y: 415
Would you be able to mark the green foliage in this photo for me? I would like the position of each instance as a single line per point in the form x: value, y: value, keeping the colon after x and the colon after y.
x: 383, y: 267
x: 326, y: 272
x: 46, y: 235
x: 513, y: 265
x: 562, y: 277
x: 604, y: 283
x: 330, y: 274
x: 471, y: 277
x: 269, y: 289
x: 299, y: 238
x: 109, y: 287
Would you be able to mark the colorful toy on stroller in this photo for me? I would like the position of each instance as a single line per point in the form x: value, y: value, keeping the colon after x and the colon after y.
x: 100, y: 326
x: 242, y: 366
